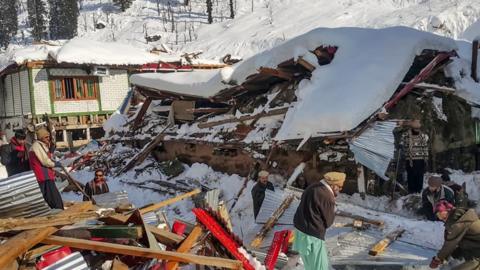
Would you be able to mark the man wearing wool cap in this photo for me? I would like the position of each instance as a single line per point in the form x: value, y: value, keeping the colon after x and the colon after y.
x: 258, y: 191
x: 314, y: 215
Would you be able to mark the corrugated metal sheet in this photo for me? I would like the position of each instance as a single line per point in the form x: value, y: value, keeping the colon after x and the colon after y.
x: 375, y: 146
x: 74, y: 261
x: 112, y: 199
x: 271, y: 202
x: 20, y: 196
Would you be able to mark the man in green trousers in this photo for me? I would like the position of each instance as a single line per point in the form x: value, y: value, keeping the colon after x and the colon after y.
x: 314, y: 215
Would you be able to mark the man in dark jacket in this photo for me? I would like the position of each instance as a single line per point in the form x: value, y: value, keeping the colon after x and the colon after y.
x: 434, y: 193
x: 258, y: 191
x: 314, y: 215
x: 14, y: 155
x: 462, y: 236
x: 97, y: 186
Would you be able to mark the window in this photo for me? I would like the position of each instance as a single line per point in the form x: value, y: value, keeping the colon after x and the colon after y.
x: 77, y: 88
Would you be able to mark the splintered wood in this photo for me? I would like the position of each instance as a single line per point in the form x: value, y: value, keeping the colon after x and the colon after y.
x: 22, y: 242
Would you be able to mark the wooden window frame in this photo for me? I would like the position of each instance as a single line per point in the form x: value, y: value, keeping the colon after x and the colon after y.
x: 84, y: 80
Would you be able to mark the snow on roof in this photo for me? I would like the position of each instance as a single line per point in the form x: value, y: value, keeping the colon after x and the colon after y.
x: 367, y: 68
x: 202, y: 83
x: 85, y: 51
x: 21, y: 54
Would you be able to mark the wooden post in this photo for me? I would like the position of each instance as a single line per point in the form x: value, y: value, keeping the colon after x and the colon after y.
x: 89, y: 138
x: 142, y: 252
x: 65, y: 137
x: 24, y: 241
x: 361, y: 180
x: 474, y: 59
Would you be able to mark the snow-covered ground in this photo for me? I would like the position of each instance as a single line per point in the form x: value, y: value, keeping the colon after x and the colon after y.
x: 260, y: 24
x: 416, y: 246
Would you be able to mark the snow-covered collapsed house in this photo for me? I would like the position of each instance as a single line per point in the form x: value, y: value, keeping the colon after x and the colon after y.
x: 78, y: 85
x: 326, y: 100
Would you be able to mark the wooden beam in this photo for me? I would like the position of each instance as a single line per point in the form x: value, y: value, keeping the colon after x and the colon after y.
x: 20, y: 224
x: 142, y: 252
x: 276, y: 73
x: 257, y: 241
x: 186, y: 245
x: 24, y: 241
x: 378, y: 223
x: 381, y: 245
x: 304, y: 63
x: 162, y: 204
x: 474, y: 60
x: 142, y: 112
x: 243, y: 118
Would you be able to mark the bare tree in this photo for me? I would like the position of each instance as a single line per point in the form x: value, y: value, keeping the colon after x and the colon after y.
x: 209, y: 11
x: 158, y: 7
x: 232, y: 14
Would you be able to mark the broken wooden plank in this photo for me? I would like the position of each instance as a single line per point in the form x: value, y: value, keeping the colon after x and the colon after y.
x: 143, y: 154
x: 276, y: 73
x: 257, y: 241
x: 142, y: 252
x: 22, y: 242
x: 381, y: 245
x: 141, y: 113
x: 162, y: 204
x: 378, y: 223
x: 20, y: 224
x: 243, y: 118
x: 186, y: 245
x: 304, y: 63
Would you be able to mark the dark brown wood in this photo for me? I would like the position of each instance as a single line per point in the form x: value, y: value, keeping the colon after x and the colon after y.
x: 474, y: 60
x: 276, y: 73
x: 306, y: 64
x: 142, y: 112
x: 378, y: 223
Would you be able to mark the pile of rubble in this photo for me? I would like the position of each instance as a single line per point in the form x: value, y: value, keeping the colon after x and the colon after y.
x: 87, y: 236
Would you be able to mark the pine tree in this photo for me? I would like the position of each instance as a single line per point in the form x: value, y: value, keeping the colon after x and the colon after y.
x: 63, y: 19
x: 37, y: 13
x: 123, y: 4
x: 8, y: 21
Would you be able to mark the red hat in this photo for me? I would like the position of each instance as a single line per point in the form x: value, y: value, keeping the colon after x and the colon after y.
x: 443, y: 206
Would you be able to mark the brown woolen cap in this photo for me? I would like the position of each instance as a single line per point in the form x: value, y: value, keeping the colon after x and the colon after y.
x: 435, y: 181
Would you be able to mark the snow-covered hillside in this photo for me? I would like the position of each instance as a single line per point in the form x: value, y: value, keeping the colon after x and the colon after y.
x: 260, y: 24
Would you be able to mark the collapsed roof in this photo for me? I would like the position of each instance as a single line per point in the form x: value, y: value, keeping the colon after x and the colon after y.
x: 363, y: 76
